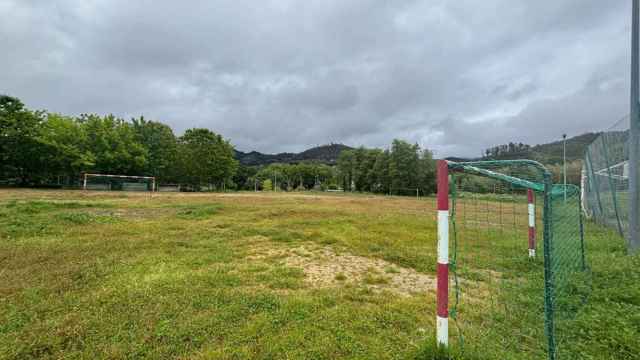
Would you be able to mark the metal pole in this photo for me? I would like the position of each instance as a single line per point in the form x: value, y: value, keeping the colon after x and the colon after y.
x: 634, y: 136
x: 549, y: 291
x: 564, y: 164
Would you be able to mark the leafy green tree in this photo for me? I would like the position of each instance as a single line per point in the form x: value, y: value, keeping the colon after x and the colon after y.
x: 346, y: 168
x: 403, y: 166
x: 20, y: 150
x: 115, y: 145
x: 161, y: 146
x: 245, y: 177
x: 427, y: 172
x: 206, y: 158
x: 65, y: 150
x: 380, y: 173
x: 277, y: 173
x: 267, y: 185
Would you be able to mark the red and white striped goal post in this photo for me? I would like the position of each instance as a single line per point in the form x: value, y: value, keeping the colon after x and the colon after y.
x: 531, y: 210
x: 442, y: 290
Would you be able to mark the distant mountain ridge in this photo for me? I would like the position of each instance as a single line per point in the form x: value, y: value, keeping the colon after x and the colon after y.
x: 549, y: 153
x: 326, y: 154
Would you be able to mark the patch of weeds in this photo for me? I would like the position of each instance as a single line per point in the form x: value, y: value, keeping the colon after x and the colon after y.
x: 283, y: 277
x: 75, y: 218
x: 328, y: 240
x: 80, y: 218
x: 430, y: 351
x: 371, y: 279
x: 287, y: 236
x: 341, y: 277
x: 38, y: 206
x: 198, y: 212
x: 391, y: 270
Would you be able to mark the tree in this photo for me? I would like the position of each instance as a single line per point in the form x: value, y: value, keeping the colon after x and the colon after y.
x: 245, y: 177
x: 380, y: 173
x: 114, y: 144
x: 65, y: 148
x: 267, y: 185
x: 427, y: 172
x: 206, y: 158
x: 20, y: 151
x: 403, y: 166
x: 346, y: 168
x: 161, y: 146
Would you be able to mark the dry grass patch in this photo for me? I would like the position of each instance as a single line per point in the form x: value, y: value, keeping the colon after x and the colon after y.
x: 324, y: 267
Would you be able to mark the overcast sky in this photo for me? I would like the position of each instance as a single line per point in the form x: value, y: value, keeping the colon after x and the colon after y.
x: 270, y: 75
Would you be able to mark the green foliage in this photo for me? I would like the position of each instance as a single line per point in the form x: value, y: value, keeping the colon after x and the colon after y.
x: 162, y: 149
x: 19, y: 147
x: 206, y: 158
x: 302, y: 176
x: 198, y: 212
x: 401, y: 170
x: 267, y: 185
x: 114, y: 145
x: 37, y: 148
x: 66, y: 147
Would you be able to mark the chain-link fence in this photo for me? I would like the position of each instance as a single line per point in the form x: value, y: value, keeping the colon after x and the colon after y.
x: 605, y: 185
x: 508, y: 302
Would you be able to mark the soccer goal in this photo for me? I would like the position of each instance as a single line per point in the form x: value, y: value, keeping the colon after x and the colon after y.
x: 491, y: 280
x: 118, y: 182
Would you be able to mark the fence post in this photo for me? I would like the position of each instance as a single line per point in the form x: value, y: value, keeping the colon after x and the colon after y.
x: 549, y: 302
x: 596, y: 185
x: 634, y: 135
x: 612, y: 188
x: 442, y: 291
x: 532, y: 222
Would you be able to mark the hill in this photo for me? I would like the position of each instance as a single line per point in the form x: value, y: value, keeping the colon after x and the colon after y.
x: 327, y: 154
x: 549, y: 153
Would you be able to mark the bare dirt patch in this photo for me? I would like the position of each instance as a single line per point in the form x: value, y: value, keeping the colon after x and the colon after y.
x: 324, y: 267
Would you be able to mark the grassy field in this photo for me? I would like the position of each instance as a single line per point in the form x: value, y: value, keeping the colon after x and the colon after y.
x: 265, y: 276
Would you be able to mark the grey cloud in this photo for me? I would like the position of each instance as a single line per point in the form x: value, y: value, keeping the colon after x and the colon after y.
x: 454, y: 76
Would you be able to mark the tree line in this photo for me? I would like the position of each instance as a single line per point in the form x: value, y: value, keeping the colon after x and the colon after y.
x: 401, y: 170
x: 38, y: 148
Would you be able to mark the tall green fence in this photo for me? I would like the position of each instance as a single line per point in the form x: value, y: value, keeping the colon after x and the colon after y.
x: 507, y: 302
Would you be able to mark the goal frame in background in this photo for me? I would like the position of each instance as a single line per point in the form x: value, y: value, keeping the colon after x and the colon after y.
x: 86, y: 176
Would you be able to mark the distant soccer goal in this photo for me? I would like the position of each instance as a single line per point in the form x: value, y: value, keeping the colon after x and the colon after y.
x: 118, y: 182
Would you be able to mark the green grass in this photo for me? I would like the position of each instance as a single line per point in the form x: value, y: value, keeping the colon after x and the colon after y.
x: 125, y: 275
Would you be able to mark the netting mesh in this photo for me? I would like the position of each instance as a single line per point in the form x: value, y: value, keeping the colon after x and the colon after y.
x: 502, y: 298
x: 606, y: 178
